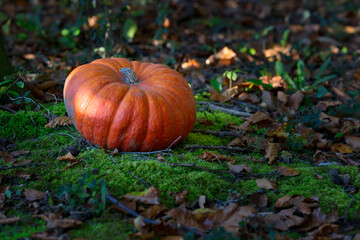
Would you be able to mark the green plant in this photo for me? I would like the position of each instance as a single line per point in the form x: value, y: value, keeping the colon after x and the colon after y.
x: 260, y: 136
x: 285, y: 37
x: 299, y: 81
x: 12, y: 87
x: 232, y: 75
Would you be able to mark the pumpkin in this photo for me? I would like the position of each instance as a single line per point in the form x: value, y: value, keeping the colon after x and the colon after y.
x: 129, y: 105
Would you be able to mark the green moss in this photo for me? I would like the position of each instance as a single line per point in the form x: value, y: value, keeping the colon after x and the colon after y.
x: 22, y: 125
x: 220, y: 119
x: 108, y: 226
x: 23, y: 229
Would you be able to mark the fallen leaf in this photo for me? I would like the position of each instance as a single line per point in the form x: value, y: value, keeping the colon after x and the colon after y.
x: 34, y: 195
x: 61, y: 121
x: 217, y: 97
x: 288, y: 171
x: 353, y: 141
x: 153, y: 211
x: 71, y: 164
x: 225, y: 54
x: 340, y: 148
x: 206, y: 122
x: 150, y: 196
x: 283, y: 220
x: 10, y: 220
x: 63, y: 223
x: 213, y: 157
x: 265, y: 183
x: 190, y: 63
x: 259, y: 199
x: 67, y: 157
x: 268, y: 98
x: 239, y: 168
x: 341, y: 95
x: 16, y: 154
x: 295, y: 100
x: 179, y: 197
x: 248, y: 97
x: 49, y: 235
x: 282, y: 97
x: 6, y: 157
x: 23, y: 175
x: 271, y: 153
x: 323, y: 105
x: 287, y: 201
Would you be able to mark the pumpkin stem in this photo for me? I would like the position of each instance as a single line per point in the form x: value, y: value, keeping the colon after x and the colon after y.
x: 130, y: 75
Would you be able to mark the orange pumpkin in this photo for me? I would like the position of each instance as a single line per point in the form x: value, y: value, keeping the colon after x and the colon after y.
x: 129, y: 105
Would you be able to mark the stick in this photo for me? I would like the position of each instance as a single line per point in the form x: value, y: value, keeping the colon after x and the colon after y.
x: 214, y: 107
x: 145, y: 183
x: 238, y: 149
x: 128, y: 210
x: 218, y: 133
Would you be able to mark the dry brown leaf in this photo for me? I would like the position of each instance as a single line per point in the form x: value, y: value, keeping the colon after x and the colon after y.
x: 10, y: 220
x: 217, y: 97
x: 283, y: 220
x: 16, y: 154
x: 71, y: 164
x: 206, y: 122
x: 288, y: 171
x: 316, y: 219
x: 248, y: 97
x: 213, y: 157
x: 240, y: 168
x: 22, y: 175
x: 225, y: 54
x: 49, y: 235
x: 150, y: 196
x: 353, y: 141
x: 67, y: 157
x: 340, y: 148
x: 153, y: 211
x: 268, y: 98
x: 160, y: 158
x: 179, y: 197
x: 295, y: 100
x: 282, y: 97
x: 341, y: 95
x: 34, y: 195
x: 127, y: 203
x: 61, y: 121
x: 259, y: 199
x: 172, y: 238
x: 190, y: 63
x: 265, y: 183
x: 271, y: 152
x: 6, y: 158
x: 323, y: 105
x: 288, y: 201
x: 63, y: 223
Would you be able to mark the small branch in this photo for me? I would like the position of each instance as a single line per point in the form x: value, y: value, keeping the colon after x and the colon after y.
x: 348, y: 207
x: 224, y: 109
x: 145, y: 183
x: 237, y: 149
x: 218, y: 133
x: 134, y: 153
x: 128, y: 210
x: 7, y: 109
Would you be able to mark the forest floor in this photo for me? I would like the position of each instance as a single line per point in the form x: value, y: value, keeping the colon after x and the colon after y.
x: 274, y: 153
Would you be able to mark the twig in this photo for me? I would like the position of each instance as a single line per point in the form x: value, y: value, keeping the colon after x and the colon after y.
x: 145, y: 183
x: 128, y: 210
x: 21, y: 165
x: 8, y: 109
x: 224, y: 109
x: 218, y: 133
x: 134, y: 153
x: 237, y: 149
x: 348, y: 207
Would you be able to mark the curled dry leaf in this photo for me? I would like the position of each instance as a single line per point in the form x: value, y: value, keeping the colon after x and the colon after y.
x: 34, y: 195
x: 239, y: 168
x: 259, y: 199
x: 67, y: 157
x: 61, y: 121
x: 150, y: 196
x: 153, y: 211
x: 271, y: 152
x: 265, y: 183
x: 213, y: 157
x: 283, y: 220
x: 179, y: 197
x: 288, y: 171
x: 295, y: 100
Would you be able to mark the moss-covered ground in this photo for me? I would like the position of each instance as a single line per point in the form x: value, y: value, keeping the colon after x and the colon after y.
x: 26, y: 130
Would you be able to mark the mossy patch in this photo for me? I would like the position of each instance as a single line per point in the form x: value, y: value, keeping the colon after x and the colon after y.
x: 118, y: 170
x: 23, y: 229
